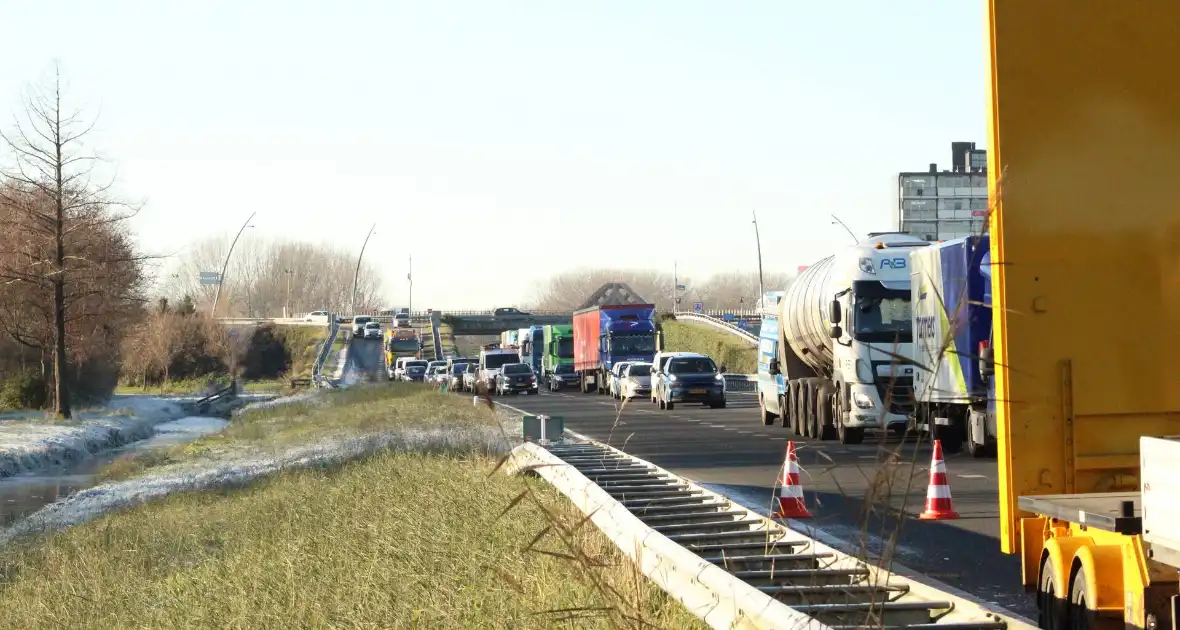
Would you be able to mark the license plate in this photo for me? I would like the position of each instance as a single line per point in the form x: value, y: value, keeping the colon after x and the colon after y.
x: 696, y: 391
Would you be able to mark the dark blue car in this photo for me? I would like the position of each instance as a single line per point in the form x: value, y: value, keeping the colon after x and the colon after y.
x: 692, y: 379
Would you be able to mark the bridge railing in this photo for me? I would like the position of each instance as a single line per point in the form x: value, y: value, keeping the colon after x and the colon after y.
x: 724, y: 326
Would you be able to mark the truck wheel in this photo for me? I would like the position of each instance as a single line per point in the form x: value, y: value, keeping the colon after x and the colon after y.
x: 767, y: 417
x: 1052, y: 613
x: 785, y: 417
x: 796, y: 404
x: 810, y: 420
x: 847, y: 435
x: 669, y: 405
x: 824, y: 416
x: 977, y: 450
x: 1082, y: 614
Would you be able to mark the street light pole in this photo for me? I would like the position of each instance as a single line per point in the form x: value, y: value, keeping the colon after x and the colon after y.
x: 225, y: 266
x: 287, y: 308
x: 758, y: 243
x: 357, y: 274
x: 846, y: 229
x: 410, y: 279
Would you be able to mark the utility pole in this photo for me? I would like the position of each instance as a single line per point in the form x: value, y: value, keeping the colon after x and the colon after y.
x: 675, y: 288
x: 410, y: 279
x: 357, y: 274
x: 225, y: 266
x: 758, y: 242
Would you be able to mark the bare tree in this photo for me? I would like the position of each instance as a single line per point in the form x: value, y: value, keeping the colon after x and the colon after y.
x: 64, y: 251
x: 737, y: 289
x: 262, y: 273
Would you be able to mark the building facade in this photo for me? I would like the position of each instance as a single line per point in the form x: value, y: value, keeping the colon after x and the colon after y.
x: 941, y: 205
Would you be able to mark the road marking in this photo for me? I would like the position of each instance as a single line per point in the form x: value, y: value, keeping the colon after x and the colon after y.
x: 780, y: 439
x: 867, y: 457
x: 761, y: 435
x: 743, y: 432
x: 972, y: 476
x: 717, y: 426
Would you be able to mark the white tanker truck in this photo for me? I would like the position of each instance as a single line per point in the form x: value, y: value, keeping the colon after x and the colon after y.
x: 835, y: 352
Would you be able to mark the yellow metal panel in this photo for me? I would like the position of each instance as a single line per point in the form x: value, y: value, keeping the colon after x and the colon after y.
x: 1084, y: 126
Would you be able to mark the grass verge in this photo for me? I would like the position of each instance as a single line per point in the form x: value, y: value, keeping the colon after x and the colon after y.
x: 736, y: 355
x: 397, y: 540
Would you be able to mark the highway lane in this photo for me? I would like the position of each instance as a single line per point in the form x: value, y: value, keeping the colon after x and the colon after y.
x: 856, y: 493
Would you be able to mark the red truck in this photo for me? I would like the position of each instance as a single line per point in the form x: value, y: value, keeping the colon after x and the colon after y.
x: 605, y: 335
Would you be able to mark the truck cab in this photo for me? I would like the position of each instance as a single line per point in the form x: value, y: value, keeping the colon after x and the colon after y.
x: 558, y: 349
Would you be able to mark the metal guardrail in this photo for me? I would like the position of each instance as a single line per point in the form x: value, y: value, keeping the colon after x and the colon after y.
x: 325, y: 351
x: 278, y: 321
x: 733, y: 567
x: 228, y: 392
x: 745, y: 335
x: 741, y: 382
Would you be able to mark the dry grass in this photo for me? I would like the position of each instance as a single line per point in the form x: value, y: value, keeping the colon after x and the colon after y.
x: 736, y: 355
x: 396, y: 541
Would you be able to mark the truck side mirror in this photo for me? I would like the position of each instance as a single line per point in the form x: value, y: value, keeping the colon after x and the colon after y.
x: 834, y: 314
x: 773, y: 368
x: 987, y: 361
x: 835, y: 332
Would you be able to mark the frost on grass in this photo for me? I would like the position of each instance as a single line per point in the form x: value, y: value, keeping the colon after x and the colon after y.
x: 93, y: 502
x: 27, y: 444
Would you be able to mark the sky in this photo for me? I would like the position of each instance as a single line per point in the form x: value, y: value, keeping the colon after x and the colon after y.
x: 501, y: 142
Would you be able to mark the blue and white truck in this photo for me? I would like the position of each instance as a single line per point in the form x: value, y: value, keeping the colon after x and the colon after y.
x: 834, y: 354
x: 532, y: 347
x: 955, y: 392
x: 607, y: 334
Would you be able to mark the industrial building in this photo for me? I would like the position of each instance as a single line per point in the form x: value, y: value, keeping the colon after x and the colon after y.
x: 941, y: 205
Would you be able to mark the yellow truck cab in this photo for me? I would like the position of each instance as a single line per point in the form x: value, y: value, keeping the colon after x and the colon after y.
x: 1084, y: 177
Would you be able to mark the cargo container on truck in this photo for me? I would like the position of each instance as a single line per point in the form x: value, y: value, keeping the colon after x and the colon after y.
x: 604, y: 335
x: 1086, y: 306
x: 509, y: 338
x: 954, y: 393
x: 559, y: 348
x: 835, y: 354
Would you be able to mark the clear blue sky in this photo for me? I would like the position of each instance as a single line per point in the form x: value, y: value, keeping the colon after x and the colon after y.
x: 537, y: 136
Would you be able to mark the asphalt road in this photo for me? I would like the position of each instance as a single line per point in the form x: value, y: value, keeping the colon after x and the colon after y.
x: 366, y: 361
x: 868, y: 495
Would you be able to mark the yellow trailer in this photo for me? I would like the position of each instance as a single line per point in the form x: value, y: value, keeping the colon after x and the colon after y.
x: 1084, y: 174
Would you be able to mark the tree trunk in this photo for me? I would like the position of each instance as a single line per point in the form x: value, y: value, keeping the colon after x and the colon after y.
x: 61, y: 394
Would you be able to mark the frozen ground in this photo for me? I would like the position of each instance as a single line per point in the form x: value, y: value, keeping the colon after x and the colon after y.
x: 29, y: 442
x: 243, y: 467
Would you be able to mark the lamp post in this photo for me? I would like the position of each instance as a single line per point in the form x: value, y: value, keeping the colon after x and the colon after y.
x: 287, y: 308
x: 225, y: 266
x: 837, y: 221
x: 410, y: 279
x: 758, y: 243
x: 357, y: 274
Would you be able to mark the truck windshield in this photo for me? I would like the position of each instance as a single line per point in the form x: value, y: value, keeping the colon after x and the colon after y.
x: 496, y: 361
x: 403, y: 345
x: 883, y: 319
x: 565, y: 348
x: 632, y: 344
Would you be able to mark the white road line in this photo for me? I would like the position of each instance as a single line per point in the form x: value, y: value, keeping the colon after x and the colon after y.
x: 780, y: 439
x: 972, y: 476
x: 717, y: 426
x: 745, y: 432
x: 867, y: 457
x: 761, y: 435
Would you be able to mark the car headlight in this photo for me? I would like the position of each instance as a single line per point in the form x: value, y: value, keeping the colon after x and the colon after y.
x: 671, y: 378
x: 719, y: 377
x: 861, y: 400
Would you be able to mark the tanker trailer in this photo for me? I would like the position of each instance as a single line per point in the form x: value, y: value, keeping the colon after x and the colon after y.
x: 841, y: 362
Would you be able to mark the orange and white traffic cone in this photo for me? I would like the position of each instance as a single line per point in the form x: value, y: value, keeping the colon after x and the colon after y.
x: 790, y: 492
x: 938, y: 493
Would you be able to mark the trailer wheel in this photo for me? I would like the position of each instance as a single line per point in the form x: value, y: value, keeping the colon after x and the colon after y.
x: 1052, y: 613
x: 785, y: 418
x: 807, y: 390
x: 977, y: 450
x: 1081, y: 615
x: 798, y: 425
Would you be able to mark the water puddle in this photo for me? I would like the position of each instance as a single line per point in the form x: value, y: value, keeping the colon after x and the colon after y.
x: 21, y: 495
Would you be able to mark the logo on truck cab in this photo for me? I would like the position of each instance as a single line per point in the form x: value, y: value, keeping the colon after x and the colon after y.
x: 893, y: 263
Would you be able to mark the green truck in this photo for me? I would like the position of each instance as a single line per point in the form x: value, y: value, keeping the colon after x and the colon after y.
x: 559, y: 349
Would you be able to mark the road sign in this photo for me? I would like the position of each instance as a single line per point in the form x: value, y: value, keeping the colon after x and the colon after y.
x: 698, y: 307
x: 210, y: 277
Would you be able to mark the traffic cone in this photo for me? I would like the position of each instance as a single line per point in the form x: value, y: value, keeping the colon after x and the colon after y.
x: 938, y: 493
x: 790, y: 492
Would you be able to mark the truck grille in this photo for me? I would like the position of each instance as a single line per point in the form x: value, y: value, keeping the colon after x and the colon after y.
x: 897, y: 393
